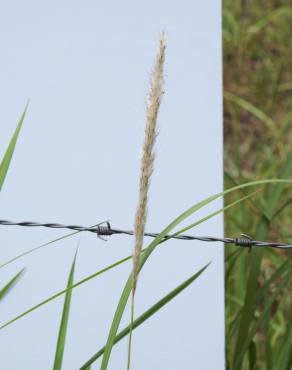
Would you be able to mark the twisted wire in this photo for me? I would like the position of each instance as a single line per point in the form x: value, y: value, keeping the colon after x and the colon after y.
x: 107, y: 230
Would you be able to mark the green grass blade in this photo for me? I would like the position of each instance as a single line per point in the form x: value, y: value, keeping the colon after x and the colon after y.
x: 252, y: 354
x: 284, y: 283
x: 255, y: 268
x: 231, y: 29
x: 268, y: 344
x: 213, y: 214
x: 64, y: 320
x: 104, y: 270
x: 281, y: 209
x: 249, y: 304
x: 276, y: 191
x: 272, y: 205
x: 161, y: 239
x: 6, y: 289
x: 232, y: 260
x: 127, y: 289
x: 76, y: 232
x: 4, y: 166
x: 282, y: 269
x: 266, y: 20
x: 284, y: 360
x: 36, y: 248
x: 252, y: 203
x: 55, y: 296
x: 280, y: 272
x: 147, y: 314
x: 42, y: 246
x: 258, y: 113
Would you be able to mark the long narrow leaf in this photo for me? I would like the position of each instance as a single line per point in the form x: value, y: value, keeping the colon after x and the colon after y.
x: 246, y: 335
x: 257, y: 112
x: 161, y: 239
x: 284, y: 356
x: 286, y: 281
x: 107, y: 269
x: 252, y: 203
x: 127, y: 289
x: 277, y: 191
x: 4, y: 166
x: 6, y: 289
x: 255, y: 268
x: 42, y: 246
x: 284, y: 268
x: 147, y: 314
x: 63, y: 292
x: 64, y: 320
x: 266, y: 20
x: 237, y: 187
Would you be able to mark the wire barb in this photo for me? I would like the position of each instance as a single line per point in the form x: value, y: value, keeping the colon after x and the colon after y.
x: 244, y: 240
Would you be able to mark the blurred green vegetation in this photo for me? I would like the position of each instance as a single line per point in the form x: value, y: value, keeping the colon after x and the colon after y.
x: 258, y: 145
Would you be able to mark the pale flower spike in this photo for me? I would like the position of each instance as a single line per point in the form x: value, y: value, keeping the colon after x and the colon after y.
x: 147, y: 160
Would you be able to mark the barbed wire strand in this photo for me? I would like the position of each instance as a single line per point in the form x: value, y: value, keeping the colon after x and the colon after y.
x: 106, y: 230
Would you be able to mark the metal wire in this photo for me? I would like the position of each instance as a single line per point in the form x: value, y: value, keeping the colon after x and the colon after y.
x: 107, y: 230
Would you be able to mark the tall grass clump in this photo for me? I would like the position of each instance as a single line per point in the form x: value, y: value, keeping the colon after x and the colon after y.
x: 258, y: 144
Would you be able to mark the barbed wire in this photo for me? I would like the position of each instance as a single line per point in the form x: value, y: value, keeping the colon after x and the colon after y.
x: 106, y: 230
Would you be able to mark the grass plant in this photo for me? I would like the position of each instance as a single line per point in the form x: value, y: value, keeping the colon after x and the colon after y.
x: 114, y: 336
x: 258, y: 144
x: 258, y: 284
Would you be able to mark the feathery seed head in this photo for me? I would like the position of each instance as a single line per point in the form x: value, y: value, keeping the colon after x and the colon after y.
x: 147, y: 160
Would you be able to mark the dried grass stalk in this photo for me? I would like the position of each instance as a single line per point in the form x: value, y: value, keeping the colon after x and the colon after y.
x: 153, y: 104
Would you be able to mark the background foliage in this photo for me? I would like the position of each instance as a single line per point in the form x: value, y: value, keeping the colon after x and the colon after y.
x: 258, y: 144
